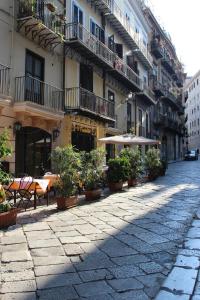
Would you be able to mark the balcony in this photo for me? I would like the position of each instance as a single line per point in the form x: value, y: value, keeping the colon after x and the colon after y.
x: 168, y: 64
x: 119, y: 21
x: 156, y: 49
x: 158, y: 119
x: 36, y: 98
x: 158, y: 89
x: 87, y: 103
x: 5, y: 98
x: 81, y: 40
x: 147, y: 94
x: 38, y: 23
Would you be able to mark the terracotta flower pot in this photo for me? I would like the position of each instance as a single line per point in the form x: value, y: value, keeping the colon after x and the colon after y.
x: 8, y: 218
x: 92, y: 195
x: 132, y: 182
x: 115, y: 186
x: 66, y: 202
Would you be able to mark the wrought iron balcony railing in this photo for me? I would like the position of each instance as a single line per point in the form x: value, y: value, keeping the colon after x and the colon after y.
x: 4, y: 80
x: 156, y: 49
x: 118, y: 18
x: 75, y: 32
x: 30, y: 89
x: 37, y: 21
x: 83, y: 100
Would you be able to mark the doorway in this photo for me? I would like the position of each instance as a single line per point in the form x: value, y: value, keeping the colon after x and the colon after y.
x: 33, y: 150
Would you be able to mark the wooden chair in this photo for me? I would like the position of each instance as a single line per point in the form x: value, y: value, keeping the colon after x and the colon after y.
x: 24, y: 192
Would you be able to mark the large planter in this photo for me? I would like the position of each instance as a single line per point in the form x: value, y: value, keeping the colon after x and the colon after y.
x: 115, y: 186
x: 92, y: 195
x: 66, y: 202
x: 132, y: 182
x: 8, y: 218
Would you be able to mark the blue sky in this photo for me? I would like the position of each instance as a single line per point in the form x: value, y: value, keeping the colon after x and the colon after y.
x: 181, y: 18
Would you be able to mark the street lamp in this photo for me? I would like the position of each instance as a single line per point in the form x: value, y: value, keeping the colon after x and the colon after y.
x: 16, y: 127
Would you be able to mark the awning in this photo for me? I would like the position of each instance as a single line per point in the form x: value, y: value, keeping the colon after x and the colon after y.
x: 128, y: 139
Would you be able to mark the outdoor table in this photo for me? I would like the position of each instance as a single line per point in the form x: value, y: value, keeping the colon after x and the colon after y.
x: 37, y: 184
x: 52, y: 179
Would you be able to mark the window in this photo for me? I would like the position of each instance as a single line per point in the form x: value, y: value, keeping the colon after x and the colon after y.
x: 197, y: 81
x: 97, y: 31
x: 111, y: 43
x: 111, y: 96
x: 198, y: 121
x: 147, y: 124
x: 86, y: 77
x: 129, y: 117
x: 77, y: 15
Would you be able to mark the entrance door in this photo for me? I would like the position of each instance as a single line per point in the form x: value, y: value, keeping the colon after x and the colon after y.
x: 33, y: 150
x: 34, y: 86
x: 83, y: 141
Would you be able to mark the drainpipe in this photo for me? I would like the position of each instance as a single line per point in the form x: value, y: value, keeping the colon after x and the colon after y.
x: 64, y: 72
x: 135, y: 113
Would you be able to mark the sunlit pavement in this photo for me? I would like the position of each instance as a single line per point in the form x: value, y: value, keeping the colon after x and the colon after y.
x: 121, y: 247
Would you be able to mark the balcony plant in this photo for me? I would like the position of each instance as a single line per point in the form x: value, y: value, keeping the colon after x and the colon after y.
x: 66, y: 163
x: 92, y: 173
x: 8, y: 214
x: 152, y: 163
x: 135, y: 161
x: 51, y: 7
x: 118, y: 172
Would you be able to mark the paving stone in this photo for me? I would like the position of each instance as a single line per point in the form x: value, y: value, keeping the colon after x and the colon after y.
x: 18, y: 286
x: 51, y: 281
x: 54, y: 269
x: 151, y: 267
x: 45, y: 261
x: 95, y: 275
x: 43, y: 235
x: 126, y: 271
x: 8, y: 240
x: 192, y: 244
x: 93, y: 289
x: 181, y: 280
x: 18, y: 276
x: 74, y: 239
x: 34, y: 244
x: 115, y: 248
x: 197, y: 287
x: 14, y: 247
x: 50, y: 251
x: 61, y: 293
x: 196, y: 223
x: 130, y: 259
x: 121, y: 285
x: 139, y: 295
x: 164, y: 295
x: 18, y: 256
x: 196, y: 297
x: 87, y: 229
x: 16, y: 266
x: 19, y: 296
x: 39, y: 226
x: 151, y: 279
x: 73, y: 249
x: 185, y: 261
x: 67, y: 233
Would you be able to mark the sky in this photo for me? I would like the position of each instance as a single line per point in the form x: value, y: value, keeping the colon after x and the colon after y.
x: 181, y: 18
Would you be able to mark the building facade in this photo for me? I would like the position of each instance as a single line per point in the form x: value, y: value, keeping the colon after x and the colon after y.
x: 192, y: 111
x: 74, y: 71
x: 167, y: 81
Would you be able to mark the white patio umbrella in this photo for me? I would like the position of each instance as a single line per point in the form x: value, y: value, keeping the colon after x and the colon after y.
x: 128, y: 139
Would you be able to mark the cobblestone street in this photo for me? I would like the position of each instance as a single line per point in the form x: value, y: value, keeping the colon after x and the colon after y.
x: 121, y: 247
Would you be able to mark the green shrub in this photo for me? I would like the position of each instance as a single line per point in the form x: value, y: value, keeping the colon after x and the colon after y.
x: 118, y: 169
x: 66, y: 162
x: 152, y: 162
x: 4, y: 207
x: 135, y: 160
x: 92, y: 168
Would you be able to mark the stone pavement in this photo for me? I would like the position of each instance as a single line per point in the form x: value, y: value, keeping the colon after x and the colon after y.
x: 121, y: 247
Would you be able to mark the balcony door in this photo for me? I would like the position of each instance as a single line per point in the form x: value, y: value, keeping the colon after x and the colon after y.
x: 78, y: 19
x: 34, y: 77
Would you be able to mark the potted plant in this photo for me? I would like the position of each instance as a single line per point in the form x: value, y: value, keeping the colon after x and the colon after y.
x: 135, y: 160
x: 152, y: 163
x: 8, y: 214
x: 163, y: 167
x: 51, y: 7
x: 66, y: 163
x: 118, y: 172
x: 92, y: 173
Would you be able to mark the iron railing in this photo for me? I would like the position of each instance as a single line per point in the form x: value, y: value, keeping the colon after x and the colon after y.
x: 147, y: 90
x: 30, y: 89
x: 79, y: 98
x: 76, y: 31
x: 39, y: 10
x: 117, y: 12
x: 4, y: 80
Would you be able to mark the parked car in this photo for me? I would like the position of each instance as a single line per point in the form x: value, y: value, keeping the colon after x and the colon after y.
x: 191, y: 155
